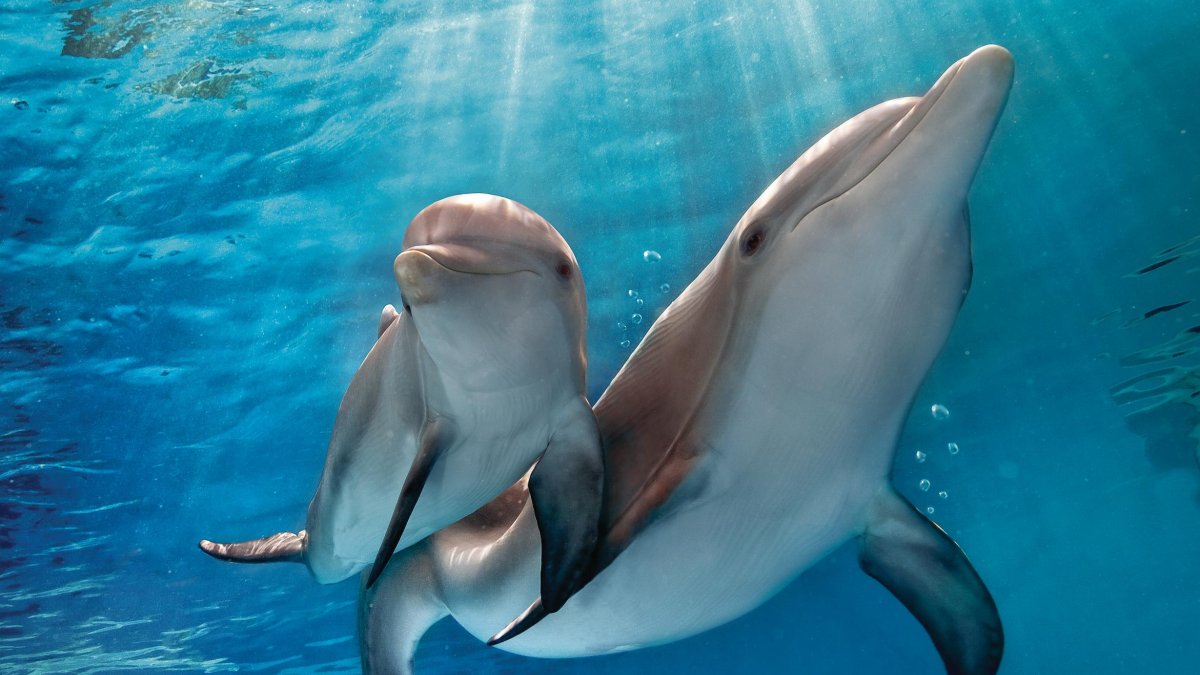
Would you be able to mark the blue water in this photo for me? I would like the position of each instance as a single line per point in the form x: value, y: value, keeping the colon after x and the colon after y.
x: 200, y: 204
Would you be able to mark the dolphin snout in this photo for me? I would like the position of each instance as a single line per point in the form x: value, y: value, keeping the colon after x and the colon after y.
x: 988, y: 71
x: 991, y: 62
x: 415, y: 272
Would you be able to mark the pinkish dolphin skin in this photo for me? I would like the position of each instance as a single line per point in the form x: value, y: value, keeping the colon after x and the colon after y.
x: 754, y: 428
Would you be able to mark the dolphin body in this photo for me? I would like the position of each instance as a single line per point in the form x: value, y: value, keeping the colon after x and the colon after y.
x: 753, y: 429
x: 482, y: 374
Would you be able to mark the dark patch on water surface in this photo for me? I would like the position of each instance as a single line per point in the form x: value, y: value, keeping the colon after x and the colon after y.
x: 1105, y: 317
x: 1163, y: 405
x: 1165, y: 308
x: 17, y: 439
x: 1183, y: 244
x: 1183, y: 344
x: 208, y: 78
x: 1160, y: 263
x: 1169, y: 421
x: 29, y: 353
x: 31, y: 608
x: 27, y: 482
x: 12, y: 318
x: 1145, y: 315
x: 91, y: 36
x: 94, y: 32
x: 16, y: 319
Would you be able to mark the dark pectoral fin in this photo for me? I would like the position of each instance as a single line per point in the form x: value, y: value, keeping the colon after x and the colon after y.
x: 528, y: 619
x: 282, y: 547
x: 566, y: 489
x: 428, y: 448
x: 923, y: 567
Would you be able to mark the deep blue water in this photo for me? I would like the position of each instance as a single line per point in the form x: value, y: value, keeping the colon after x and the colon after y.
x: 201, y: 201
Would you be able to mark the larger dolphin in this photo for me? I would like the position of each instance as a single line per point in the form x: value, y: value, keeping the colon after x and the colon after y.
x: 754, y: 428
x: 482, y: 374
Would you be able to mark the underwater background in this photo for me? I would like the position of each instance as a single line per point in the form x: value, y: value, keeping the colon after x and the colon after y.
x: 200, y: 201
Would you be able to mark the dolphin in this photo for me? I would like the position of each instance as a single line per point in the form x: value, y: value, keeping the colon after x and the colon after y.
x: 480, y: 376
x: 753, y: 429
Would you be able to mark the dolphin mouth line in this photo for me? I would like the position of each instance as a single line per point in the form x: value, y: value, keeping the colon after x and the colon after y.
x: 452, y: 268
x: 915, y: 115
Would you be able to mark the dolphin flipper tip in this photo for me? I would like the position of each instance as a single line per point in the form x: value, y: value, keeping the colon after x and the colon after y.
x: 281, y: 547
x: 528, y: 619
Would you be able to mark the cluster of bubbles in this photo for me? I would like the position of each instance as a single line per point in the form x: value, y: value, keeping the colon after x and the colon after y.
x: 636, y: 316
x: 939, y: 412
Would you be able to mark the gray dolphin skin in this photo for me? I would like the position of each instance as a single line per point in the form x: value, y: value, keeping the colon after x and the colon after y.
x: 480, y: 375
x: 753, y: 430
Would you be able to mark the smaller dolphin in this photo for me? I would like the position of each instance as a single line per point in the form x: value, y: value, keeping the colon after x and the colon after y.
x: 753, y: 430
x: 479, y: 376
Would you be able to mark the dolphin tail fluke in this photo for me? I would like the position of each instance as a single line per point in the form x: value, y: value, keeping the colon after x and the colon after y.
x: 394, y: 613
x: 281, y: 547
x: 923, y: 567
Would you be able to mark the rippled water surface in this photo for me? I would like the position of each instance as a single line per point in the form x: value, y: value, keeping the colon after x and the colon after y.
x: 200, y: 201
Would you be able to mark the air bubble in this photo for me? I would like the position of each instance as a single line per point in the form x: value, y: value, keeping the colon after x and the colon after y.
x: 631, y: 293
x: 635, y: 319
x: 924, y: 485
x: 929, y: 510
x: 920, y: 457
x: 651, y: 256
x: 944, y: 495
x: 640, y: 302
x: 621, y: 326
x: 952, y: 448
x: 625, y: 344
x: 665, y: 288
x: 939, y: 411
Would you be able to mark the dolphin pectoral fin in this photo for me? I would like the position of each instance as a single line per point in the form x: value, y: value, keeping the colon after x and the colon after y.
x: 566, y: 488
x: 281, y: 547
x: 923, y: 567
x: 388, y: 316
x: 533, y: 614
x: 431, y: 444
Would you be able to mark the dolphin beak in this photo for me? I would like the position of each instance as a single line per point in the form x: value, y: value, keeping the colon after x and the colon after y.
x: 416, y: 274
x: 420, y: 270
x: 952, y: 124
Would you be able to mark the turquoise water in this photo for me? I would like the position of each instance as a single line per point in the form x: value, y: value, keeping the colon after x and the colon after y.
x: 200, y: 205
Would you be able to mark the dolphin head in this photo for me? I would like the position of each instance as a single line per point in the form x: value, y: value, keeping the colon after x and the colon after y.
x: 905, y: 164
x: 494, y: 291
x: 856, y: 259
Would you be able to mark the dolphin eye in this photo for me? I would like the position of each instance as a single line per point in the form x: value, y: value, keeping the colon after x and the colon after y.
x: 754, y: 242
x: 563, y: 269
